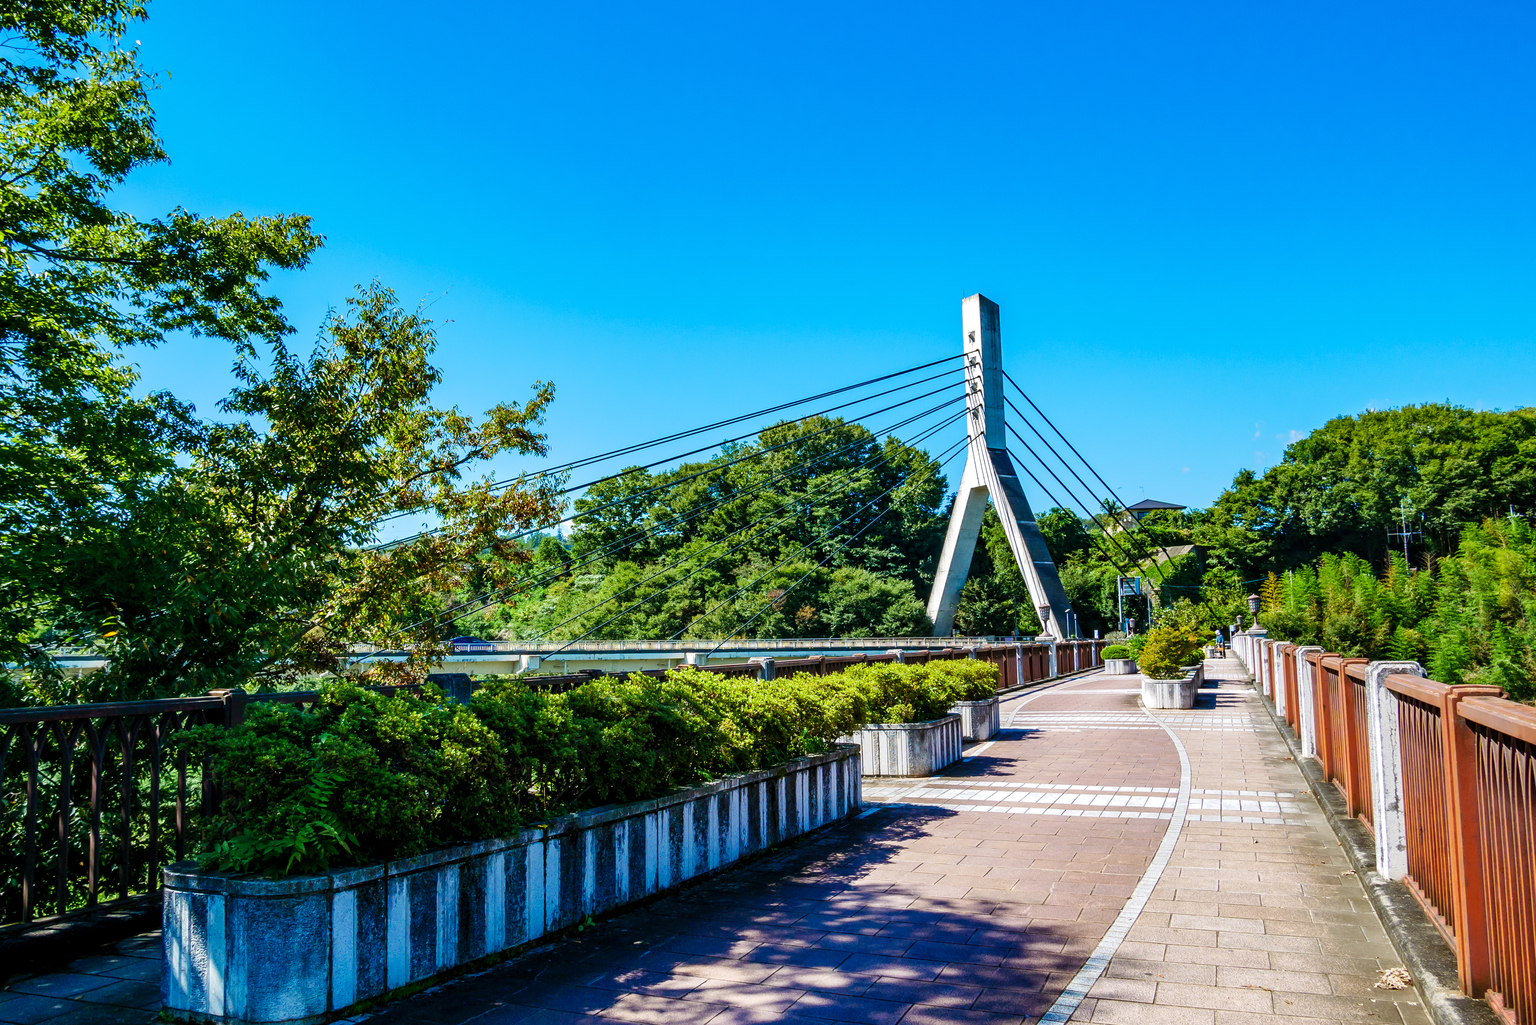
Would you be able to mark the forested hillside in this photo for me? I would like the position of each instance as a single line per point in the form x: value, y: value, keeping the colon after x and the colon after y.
x: 1320, y: 537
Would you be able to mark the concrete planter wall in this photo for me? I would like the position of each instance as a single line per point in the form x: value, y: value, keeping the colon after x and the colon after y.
x: 909, y: 749
x: 1171, y: 693
x: 299, y: 950
x: 979, y: 720
x: 1119, y: 666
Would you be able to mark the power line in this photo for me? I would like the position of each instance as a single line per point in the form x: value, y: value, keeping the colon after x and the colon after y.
x: 736, y: 593
x: 511, y: 590
x: 849, y: 474
x: 851, y: 538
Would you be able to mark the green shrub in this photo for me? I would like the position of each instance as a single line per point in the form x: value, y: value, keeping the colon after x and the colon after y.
x: 365, y: 776
x: 1166, y: 651
x: 1116, y: 651
x: 1135, y: 644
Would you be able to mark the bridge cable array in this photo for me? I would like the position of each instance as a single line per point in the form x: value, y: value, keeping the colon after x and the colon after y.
x: 849, y: 481
x: 1134, y: 532
x: 611, y: 477
x: 486, y: 601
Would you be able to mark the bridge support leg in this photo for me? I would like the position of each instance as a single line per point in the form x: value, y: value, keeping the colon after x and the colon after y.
x: 989, y: 472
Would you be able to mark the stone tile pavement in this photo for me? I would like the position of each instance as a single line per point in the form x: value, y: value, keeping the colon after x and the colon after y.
x: 118, y: 987
x: 976, y: 896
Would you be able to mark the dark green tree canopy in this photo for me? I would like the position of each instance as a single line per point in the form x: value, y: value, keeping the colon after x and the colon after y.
x: 1342, y: 488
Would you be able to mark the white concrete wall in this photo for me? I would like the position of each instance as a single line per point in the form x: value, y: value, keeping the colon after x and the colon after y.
x: 298, y: 950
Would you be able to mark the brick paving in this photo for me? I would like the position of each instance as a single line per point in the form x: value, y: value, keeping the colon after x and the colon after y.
x: 977, y: 895
x: 971, y: 897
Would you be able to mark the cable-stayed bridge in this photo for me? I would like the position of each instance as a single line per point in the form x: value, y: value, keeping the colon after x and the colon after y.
x: 964, y: 405
x: 960, y: 411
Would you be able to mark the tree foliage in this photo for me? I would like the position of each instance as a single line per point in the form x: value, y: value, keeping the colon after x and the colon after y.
x: 195, y: 553
x: 1469, y: 619
x: 816, y: 528
x: 1343, y: 488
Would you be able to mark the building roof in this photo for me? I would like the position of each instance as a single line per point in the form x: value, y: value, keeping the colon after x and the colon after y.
x: 1149, y: 504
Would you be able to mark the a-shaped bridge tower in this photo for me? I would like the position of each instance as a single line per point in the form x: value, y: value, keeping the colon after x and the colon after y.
x: 989, y: 471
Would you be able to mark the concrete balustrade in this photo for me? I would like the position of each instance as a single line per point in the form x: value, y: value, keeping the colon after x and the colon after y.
x: 303, y: 949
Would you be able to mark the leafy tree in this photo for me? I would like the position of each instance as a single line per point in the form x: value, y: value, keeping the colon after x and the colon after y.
x: 249, y: 560
x: 190, y: 553
x: 80, y: 280
x: 1344, y: 486
x: 1471, y: 618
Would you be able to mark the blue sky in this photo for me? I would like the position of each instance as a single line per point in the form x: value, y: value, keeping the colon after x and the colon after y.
x: 1210, y: 227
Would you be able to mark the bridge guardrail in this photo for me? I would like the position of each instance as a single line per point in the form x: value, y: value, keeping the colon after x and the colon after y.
x: 1445, y: 778
x: 97, y: 797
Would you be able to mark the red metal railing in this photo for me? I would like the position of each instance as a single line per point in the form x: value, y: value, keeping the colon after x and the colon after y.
x: 1496, y: 748
x: 1467, y: 790
x: 1352, y: 684
x: 1424, y: 710
x: 1289, y: 682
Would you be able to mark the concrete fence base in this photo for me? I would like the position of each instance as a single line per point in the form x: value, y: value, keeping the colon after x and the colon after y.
x: 979, y: 720
x: 909, y: 749
x: 1119, y: 666
x: 302, y: 949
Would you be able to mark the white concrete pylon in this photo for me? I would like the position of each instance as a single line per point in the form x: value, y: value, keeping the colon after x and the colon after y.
x: 989, y: 472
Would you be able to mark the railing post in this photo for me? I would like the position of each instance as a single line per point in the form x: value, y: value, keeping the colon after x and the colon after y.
x: 1051, y: 667
x: 1282, y: 652
x: 764, y: 667
x: 1387, y: 767
x: 1306, y: 697
x: 1467, y: 849
x: 234, y: 701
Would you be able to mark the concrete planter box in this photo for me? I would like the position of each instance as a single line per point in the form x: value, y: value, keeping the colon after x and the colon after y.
x: 241, y: 949
x: 1119, y: 666
x: 908, y: 749
x: 1170, y: 693
x: 979, y: 720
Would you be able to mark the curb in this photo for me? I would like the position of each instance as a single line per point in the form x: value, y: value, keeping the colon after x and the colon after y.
x: 1426, y: 955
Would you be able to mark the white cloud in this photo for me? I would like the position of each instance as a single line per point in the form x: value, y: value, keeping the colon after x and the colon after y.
x: 1258, y: 430
x: 1185, y: 470
x: 1296, y: 435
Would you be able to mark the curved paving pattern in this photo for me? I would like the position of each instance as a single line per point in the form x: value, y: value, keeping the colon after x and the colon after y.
x: 978, y: 895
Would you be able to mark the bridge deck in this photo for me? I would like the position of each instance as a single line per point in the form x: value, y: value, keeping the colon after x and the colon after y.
x: 1215, y: 894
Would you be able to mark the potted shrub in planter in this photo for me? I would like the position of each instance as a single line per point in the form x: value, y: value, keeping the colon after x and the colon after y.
x: 1118, y: 660
x: 913, y: 727
x: 1166, y: 681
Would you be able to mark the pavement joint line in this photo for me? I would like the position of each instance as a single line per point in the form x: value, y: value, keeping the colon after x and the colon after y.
x: 1072, y: 997
x: 1050, y: 688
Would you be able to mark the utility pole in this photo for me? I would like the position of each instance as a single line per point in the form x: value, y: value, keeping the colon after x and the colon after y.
x: 1405, y: 533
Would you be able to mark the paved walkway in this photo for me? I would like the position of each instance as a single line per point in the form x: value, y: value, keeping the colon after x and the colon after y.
x: 1077, y: 867
x: 120, y: 986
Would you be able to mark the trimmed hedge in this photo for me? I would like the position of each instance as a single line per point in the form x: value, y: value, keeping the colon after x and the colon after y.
x: 365, y: 777
x: 1116, y: 651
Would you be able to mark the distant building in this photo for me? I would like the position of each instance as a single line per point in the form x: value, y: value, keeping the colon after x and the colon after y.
x: 1147, y: 505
